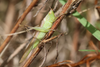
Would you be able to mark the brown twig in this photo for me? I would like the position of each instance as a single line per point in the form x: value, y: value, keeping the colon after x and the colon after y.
x: 34, y: 54
x: 87, y: 64
x: 17, y: 24
x: 96, y: 1
x: 40, y: 8
x: 94, y: 47
x: 98, y: 6
x: 88, y: 60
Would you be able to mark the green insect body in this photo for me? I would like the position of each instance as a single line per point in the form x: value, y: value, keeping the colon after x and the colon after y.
x: 42, y: 30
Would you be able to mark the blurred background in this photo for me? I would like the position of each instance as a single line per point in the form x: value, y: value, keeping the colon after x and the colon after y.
x: 67, y: 46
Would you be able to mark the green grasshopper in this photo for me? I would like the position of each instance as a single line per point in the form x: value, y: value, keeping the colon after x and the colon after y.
x: 42, y: 30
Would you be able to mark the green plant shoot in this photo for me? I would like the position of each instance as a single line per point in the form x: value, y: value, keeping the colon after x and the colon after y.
x: 42, y: 30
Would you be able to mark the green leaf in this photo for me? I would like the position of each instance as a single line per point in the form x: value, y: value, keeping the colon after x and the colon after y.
x: 85, y: 23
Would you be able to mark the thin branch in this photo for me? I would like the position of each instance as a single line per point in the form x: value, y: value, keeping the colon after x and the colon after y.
x: 89, y: 59
x: 56, y: 50
x: 40, y: 8
x: 94, y: 47
x: 84, y: 61
x: 16, y: 51
x: 17, y: 24
x: 16, y: 33
x: 45, y: 56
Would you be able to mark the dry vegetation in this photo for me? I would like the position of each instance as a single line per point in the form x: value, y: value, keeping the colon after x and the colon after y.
x: 64, y: 49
